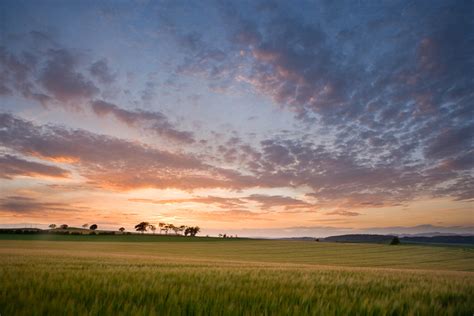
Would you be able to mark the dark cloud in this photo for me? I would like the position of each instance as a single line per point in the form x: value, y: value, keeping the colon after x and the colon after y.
x: 20, y: 205
x: 16, y: 74
x: 154, y: 121
x: 450, y: 141
x: 61, y: 78
x: 11, y: 166
x: 391, y: 90
x: 346, y: 180
x: 101, y: 70
x: 343, y: 213
x: 61, y: 82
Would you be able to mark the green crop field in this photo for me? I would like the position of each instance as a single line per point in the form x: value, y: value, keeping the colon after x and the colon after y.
x: 150, y: 275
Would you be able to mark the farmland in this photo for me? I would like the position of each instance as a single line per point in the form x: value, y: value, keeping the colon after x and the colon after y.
x: 201, y: 276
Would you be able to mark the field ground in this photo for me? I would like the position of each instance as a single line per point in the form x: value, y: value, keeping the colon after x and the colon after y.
x: 231, y: 277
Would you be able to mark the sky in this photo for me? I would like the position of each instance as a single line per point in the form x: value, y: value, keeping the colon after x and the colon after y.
x: 256, y: 118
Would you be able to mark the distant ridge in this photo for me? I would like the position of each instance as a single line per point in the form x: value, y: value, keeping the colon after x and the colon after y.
x: 361, y: 238
x: 369, y: 238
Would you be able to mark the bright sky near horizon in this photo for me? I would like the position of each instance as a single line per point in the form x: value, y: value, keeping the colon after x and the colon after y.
x: 268, y: 118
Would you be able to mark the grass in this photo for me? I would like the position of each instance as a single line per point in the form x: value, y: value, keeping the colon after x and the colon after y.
x: 242, y: 277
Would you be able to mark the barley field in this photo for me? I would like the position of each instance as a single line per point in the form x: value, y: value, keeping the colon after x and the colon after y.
x: 231, y: 277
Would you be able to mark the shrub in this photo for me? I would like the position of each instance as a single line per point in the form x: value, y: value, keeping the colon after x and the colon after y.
x: 395, y: 241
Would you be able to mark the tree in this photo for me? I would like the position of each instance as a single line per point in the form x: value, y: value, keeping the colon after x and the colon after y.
x: 142, y: 227
x: 153, y: 228
x: 64, y: 226
x: 174, y: 228
x: 93, y: 227
x: 395, y: 241
x: 122, y: 229
x: 192, y: 231
x: 161, y: 225
x: 166, y: 227
x: 187, y: 231
x: 52, y: 226
x: 85, y: 225
x: 181, y: 228
x: 196, y: 231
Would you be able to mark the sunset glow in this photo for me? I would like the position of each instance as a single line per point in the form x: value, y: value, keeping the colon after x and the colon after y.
x: 252, y: 118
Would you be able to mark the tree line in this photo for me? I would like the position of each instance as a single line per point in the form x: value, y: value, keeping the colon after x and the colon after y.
x: 165, y: 227
x: 65, y: 226
x: 145, y: 226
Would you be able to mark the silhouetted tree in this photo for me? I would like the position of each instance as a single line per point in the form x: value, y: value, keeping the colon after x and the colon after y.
x: 161, y: 225
x: 395, y: 241
x: 122, y: 229
x: 153, y: 228
x: 93, y: 227
x: 64, y: 226
x: 142, y: 227
x: 85, y: 225
x: 192, y: 231
x: 182, y: 228
x: 174, y: 228
x: 52, y: 226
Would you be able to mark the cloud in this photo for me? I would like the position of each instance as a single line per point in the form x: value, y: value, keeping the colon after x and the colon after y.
x: 61, y: 78
x: 269, y: 201
x: 450, y: 141
x: 266, y: 202
x: 11, y: 166
x: 101, y: 70
x: 21, y: 205
x: 233, y: 215
x: 220, y: 201
x: 336, y: 180
x: 346, y: 180
x: 343, y: 213
x: 115, y: 163
x: 55, y: 77
x: 16, y: 74
x: 377, y: 125
x: 396, y: 119
x: 154, y: 121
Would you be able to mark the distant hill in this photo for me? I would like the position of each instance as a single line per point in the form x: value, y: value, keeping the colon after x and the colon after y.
x: 295, y: 238
x: 451, y: 239
x: 368, y: 238
x: 360, y: 238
